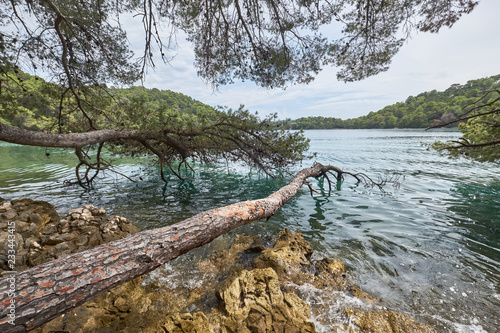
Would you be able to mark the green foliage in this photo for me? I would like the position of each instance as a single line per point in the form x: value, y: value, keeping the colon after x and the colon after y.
x: 27, y: 101
x: 481, y: 131
x: 193, y: 129
x: 273, y: 43
x: 172, y: 126
x: 141, y: 108
x: 422, y: 111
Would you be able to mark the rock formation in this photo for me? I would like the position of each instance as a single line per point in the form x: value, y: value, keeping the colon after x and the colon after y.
x: 41, y: 236
x: 262, y: 293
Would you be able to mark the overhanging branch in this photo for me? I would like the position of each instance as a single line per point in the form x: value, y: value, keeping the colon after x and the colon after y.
x: 67, y: 140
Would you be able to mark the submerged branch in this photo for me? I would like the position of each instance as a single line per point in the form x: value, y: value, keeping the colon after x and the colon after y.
x: 48, y: 290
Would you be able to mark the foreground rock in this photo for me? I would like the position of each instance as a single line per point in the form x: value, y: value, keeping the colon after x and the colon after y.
x: 262, y: 293
x: 248, y: 286
x: 41, y: 235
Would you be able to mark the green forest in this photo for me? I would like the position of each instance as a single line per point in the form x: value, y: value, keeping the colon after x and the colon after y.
x: 30, y: 102
x: 421, y: 111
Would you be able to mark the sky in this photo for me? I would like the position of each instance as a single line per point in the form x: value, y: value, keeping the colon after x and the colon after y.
x: 469, y: 50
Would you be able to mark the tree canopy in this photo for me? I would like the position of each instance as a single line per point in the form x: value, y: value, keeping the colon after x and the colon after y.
x: 480, y: 125
x: 82, y: 48
x: 272, y: 43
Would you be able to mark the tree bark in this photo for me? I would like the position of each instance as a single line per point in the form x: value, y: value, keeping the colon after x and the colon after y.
x: 68, y: 140
x: 51, y: 289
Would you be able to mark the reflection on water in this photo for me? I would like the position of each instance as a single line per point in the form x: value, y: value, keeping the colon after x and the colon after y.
x: 430, y: 247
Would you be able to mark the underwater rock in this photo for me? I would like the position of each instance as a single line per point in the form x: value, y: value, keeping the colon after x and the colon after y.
x: 291, y: 258
x: 263, y: 294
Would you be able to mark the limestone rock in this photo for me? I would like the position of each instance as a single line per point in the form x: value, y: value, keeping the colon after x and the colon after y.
x: 263, y: 294
x: 239, y: 256
x: 253, y: 300
x: 5, y: 206
x: 385, y: 321
x: 187, y: 322
x: 41, y: 236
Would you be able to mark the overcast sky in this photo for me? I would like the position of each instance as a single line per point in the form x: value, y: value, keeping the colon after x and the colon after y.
x: 469, y: 50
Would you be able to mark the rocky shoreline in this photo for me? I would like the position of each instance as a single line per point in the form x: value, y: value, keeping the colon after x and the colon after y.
x: 249, y: 286
x: 41, y: 235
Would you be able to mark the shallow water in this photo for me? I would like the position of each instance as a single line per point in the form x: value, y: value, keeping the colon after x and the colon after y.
x: 429, y: 247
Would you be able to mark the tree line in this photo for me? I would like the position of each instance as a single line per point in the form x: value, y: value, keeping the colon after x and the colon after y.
x: 30, y: 102
x: 425, y: 110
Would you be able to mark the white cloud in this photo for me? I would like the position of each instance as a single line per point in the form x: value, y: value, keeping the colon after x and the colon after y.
x: 469, y: 50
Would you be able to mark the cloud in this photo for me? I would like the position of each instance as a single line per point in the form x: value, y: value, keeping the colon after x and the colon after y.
x: 469, y: 50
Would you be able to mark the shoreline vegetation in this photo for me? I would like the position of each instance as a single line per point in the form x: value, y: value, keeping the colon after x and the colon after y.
x: 422, y: 111
x: 246, y: 284
x: 30, y: 102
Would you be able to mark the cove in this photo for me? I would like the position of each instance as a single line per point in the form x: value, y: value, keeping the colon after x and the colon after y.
x: 429, y: 247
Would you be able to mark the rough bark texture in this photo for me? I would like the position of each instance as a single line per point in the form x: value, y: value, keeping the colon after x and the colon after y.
x: 56, y: 287
x: 69, y: 140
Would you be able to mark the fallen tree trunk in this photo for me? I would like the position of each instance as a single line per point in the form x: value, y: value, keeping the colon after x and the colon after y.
x: 35, y: 296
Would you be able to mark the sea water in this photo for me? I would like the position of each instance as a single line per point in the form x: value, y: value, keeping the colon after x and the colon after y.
x: 428, y: 245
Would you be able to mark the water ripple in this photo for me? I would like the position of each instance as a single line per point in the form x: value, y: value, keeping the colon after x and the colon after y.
x: 430, y: 247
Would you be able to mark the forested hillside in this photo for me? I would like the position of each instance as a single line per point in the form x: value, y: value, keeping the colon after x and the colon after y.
x: 421, y: 111
x: 30, y: 102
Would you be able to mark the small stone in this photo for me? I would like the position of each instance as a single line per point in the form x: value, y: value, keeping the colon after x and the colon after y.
x: 21, y: 259
x: 59, y: 238
x: 33, y: 231
x: 35, y: 259
x: 95, y: 239
x: 37, y: 219
x: 24, y: 216
x: 22, y: 227
x: 75, y: 211
x: 86, y: 215
x: 121, y: 304
x: 49, y: 229
x: 5, y: 206
x: 109, y: 227
x: 61, y: 250
x: 82, y: 240
x: 7, y: 243
x: 21, y: 202
x: 109, y: 237
x: 87, y: 229
x: 32, y: 243
x: 95, y: 211
x: 63, y: 226
x: 9, y: 215
x: 128, y: 228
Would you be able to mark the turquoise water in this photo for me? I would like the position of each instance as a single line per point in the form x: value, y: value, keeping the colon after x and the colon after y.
x: 429, y: 247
